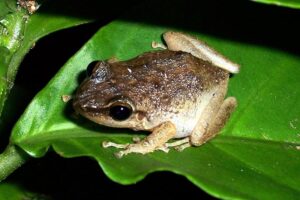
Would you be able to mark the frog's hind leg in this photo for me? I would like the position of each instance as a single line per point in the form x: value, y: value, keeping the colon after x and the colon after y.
x: 204, y: 131
x: 177, y: 41
x: 156, y: 45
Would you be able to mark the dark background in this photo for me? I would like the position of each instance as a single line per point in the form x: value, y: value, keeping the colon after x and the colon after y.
x: 82, y: 178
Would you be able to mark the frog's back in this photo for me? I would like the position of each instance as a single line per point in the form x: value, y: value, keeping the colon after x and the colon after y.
x: 167, y: 85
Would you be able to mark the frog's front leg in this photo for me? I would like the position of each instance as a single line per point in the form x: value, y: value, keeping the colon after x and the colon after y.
x: 155, y: 141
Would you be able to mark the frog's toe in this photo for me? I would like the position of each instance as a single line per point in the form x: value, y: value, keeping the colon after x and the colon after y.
x: 163, y: 148
x: 136, y: 139
x: 182, y: 147
x: 156, y: 45
x: 119, y: 154
x: 178, y: 142
x: 107, y: 144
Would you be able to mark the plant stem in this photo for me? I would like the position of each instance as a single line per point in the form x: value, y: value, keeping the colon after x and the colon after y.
x: 10, y: 160
x: 12, y: 27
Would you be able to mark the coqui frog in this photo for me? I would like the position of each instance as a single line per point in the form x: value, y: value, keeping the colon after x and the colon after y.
x: 175, y: 93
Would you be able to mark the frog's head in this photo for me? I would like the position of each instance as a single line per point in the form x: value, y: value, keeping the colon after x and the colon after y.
x: 102, y: 99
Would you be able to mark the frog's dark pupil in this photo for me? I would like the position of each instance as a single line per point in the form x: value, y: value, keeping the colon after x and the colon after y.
x: 120, y: 112
x: 90, y: 68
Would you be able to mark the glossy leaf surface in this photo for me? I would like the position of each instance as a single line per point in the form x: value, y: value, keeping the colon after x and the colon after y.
x: 256, y: 155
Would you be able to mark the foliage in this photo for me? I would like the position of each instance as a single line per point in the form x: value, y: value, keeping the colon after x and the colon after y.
x: 256, y: 155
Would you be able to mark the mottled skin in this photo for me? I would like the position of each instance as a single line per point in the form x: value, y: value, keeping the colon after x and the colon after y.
x: 172, y: 93
x: 168, y: 84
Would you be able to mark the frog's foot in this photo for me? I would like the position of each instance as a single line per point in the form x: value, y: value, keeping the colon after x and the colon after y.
x: 178, y: 142
x: 141, y: 148
x: 136, y: 147
x: 156, y: 45
x: 180, y: 145
x: 155, y: 141
x: 163, y: 148
x: 107, y: 144
x: 183, y: 146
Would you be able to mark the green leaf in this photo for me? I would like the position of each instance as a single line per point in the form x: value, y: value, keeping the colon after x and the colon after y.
x: 12, y: 27
x: 286, y: 3
x: 13, y: 191
x: 251, y: 150
x: 7, y: 6
x: 255, y: 157
x: 19, y: 32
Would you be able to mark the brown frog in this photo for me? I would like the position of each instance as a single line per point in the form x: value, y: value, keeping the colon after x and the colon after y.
x: 177, y: 92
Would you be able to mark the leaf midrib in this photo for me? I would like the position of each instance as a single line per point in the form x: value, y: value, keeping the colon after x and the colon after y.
x: 75, y: 133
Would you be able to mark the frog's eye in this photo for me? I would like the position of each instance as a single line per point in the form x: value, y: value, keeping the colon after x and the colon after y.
x: 90, y: 68
x: 120, y: 112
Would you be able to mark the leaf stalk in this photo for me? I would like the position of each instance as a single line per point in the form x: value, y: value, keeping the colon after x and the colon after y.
x: 11, y: 159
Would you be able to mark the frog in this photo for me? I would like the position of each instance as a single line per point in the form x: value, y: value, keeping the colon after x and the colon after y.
x: 177, y: 92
